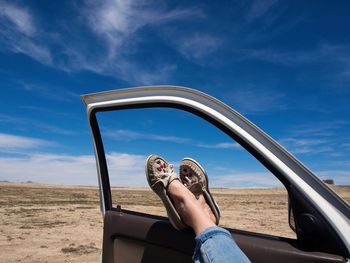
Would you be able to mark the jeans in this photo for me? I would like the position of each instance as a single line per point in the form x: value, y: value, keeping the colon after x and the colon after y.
x: 216, y: 245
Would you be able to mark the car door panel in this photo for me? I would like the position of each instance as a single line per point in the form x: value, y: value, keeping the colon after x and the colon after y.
x: 132, y: 251
x: 131, y: 237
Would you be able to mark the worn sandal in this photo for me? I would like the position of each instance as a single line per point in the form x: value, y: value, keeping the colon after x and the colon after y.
x: 195, y: 179
x: 159, y: 175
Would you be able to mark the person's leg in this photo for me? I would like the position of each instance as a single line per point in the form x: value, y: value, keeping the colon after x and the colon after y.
x: 216, y: 245
x: 189, y: 208
x: 213, y: 244
x: 206, y: 207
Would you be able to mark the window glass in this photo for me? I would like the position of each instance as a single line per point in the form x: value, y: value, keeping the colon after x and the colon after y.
x: 249, y: 196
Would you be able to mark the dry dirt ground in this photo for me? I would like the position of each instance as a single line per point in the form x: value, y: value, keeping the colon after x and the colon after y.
x: 41, y: 223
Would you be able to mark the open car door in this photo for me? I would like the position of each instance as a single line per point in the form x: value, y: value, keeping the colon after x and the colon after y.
x: 319, y: 217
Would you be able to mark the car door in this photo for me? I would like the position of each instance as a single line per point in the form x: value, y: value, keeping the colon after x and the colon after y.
x: 318, y: 216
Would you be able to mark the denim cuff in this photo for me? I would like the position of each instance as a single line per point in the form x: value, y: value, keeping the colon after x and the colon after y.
x: 216, y: 245
x: 210, y: 232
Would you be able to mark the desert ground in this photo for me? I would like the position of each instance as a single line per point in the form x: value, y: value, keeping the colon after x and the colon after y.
x: 45, y: 223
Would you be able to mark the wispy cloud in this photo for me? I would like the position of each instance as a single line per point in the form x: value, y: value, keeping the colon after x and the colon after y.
x: 10, y: 142
x: 260, y: 8
x: 115, y: 39
x: 158, y: 72
x: 19, y: 17
x: 132, y: 135
x: 36, y: 51
x: 257, y: 100
x: 19, y: 33
x: 324, y: 53
x: 114, y: 25
x: 248, y: 179
x: 49, y: 91
x: 29, y: 124
x: 124, y: 169
x: 320, y: 129
x: 50, y: 168
x: 129, y: 135
x: 315, y: 138
x: 346, y: 145
x: 223, y: 145
x: 117, y: 21
x: 306, y: 146
x: 198, y: 46
x: 244, y: 179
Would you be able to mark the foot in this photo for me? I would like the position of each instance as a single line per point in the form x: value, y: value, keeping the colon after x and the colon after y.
x: 158, y: 170
x: 160, y: 174
x: 194, y: 177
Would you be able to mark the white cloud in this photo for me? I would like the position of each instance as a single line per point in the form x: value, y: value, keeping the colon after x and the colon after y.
x: 342, y: 163
x: 151, y: 77
x: 32, y: 124
x: 36, y: 51
x: 256, y: 100
x: 50, y: 91
x: 305, y: 146
x: 117, y: 20
x: 49, y: 168
x: 317, y: 137
x: 157, y: 72
x: 260, y: 8
x: 198, y: 46
x: 10, y: 142
x: 324, y: 53
x: 129, y: 135
x: 243, y: 179
x: 320, y: 129
x: 117, y: 23
x: 124, y: 169
x: 115, y: 38
x: 19, y: 33
x: 20, y: 17
x: 132, y: 135
x: 114, y: 26
x: 346, y: 145
x: 229, y: 178
x: 222, y: 145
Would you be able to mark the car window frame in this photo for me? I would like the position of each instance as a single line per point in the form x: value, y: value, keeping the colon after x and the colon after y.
x: 273, y: 156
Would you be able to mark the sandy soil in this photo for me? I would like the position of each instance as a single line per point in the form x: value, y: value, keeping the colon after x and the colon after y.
x: 42, y: 223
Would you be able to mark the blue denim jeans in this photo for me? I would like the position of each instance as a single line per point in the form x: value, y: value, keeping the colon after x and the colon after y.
x: 216, y: 245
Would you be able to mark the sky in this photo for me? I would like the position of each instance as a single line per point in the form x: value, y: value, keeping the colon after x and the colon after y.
x: 285, y: 65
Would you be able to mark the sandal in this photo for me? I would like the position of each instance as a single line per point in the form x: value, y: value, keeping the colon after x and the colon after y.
x: 195, y: 179
x: 159, y: 175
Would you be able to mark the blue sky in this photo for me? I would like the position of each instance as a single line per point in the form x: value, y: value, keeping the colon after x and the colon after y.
x: 285, y: 65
